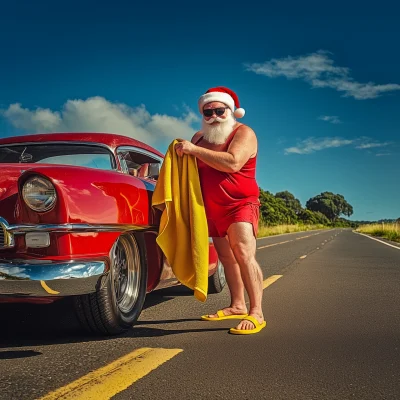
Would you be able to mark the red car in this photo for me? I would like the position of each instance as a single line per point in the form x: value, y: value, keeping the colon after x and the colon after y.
x: 76, y: 220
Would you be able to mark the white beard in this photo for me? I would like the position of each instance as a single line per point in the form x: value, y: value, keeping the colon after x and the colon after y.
x: 219, y: 133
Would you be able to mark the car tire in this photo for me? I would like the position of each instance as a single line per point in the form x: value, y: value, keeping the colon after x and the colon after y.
x: 116, y: 306
x: 217, y: 281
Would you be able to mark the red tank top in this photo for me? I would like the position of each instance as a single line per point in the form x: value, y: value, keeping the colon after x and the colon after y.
x: 224, y: 192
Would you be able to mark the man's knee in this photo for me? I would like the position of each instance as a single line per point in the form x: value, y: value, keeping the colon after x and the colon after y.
x: 243, y: 253
x: 227, y: 259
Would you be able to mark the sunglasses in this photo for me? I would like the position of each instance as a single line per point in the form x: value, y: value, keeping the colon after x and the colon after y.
x: 218, y: 111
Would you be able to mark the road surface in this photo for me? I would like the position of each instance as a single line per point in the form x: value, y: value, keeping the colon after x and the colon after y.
x: 331, y: 302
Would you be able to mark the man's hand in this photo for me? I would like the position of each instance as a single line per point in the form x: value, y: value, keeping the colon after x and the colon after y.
x: 184, y: 147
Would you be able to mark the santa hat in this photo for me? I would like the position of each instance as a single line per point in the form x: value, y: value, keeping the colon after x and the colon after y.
x: 222, y: 95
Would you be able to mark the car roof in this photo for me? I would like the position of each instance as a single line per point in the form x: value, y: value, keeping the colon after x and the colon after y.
x: 109, y: 139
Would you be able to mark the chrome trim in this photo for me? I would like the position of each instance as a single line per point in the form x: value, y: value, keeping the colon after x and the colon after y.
x: 110, y: 149
x: 140, y: 150
x: 19, y: 229
x: 8, y: 236
x: 42, y: 278
x: 75, y: 228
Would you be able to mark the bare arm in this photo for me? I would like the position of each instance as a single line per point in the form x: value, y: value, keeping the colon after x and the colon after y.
x: 242, y: 147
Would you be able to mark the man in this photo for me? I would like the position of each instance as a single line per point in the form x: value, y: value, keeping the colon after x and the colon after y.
x: 226, y: 153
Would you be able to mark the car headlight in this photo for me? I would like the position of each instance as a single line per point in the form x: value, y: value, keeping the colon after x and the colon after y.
x: 39, y: 194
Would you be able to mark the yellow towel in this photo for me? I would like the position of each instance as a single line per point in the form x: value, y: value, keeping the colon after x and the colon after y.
x: 183, y: 232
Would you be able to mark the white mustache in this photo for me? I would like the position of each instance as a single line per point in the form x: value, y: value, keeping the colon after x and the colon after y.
x: 212, y: 120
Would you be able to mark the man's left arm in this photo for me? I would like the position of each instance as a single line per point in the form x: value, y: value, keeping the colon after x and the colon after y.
x: 242, y: 147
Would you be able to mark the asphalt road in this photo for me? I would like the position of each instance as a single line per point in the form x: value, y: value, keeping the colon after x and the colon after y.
x: 333, y: 332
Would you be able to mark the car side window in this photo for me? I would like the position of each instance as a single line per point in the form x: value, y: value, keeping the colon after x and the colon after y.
x: 139, y: 164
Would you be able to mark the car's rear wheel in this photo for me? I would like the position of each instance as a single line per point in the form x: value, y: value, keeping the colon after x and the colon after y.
x: 217, y: 281
x: 117, y: 305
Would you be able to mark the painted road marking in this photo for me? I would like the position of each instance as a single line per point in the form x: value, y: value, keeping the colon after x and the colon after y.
x: 47, y: 288
x: 292, y: 233
x: 106, y: 382
x: 303, y: 237
x: 269, y: 281
x: 286, y: 241
x: 273, y: 244
x: 381, y: 241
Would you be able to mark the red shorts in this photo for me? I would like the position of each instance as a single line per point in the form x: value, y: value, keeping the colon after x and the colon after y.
x: 218, y: 226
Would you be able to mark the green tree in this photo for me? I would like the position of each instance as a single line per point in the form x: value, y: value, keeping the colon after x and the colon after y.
x: 313, y: 217
x: 330, y: 204
x: 274, y: 211
x: 290, y: 201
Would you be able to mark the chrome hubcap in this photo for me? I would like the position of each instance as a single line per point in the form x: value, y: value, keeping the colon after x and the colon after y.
x: 221, y: 273
x: 126, y: 273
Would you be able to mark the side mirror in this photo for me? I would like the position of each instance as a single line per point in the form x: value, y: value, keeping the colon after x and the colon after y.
x: 154, y: 170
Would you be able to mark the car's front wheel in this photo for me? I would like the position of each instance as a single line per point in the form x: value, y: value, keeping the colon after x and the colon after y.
x: 217, y: 281
x: 117, y: 305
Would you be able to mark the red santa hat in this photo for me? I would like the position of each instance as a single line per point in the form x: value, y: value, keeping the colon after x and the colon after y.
x: 222, y: 95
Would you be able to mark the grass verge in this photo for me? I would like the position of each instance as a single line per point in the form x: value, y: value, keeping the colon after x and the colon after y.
x: 264, y: 230
x: 387, y: 231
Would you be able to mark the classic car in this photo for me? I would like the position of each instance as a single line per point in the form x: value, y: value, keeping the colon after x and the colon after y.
x: 76, y: 221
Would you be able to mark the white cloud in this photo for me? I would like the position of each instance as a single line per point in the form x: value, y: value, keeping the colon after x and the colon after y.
x: 371, y: 145
x: 383, y: 154
x: 333, y: 119
x: 97, y: 114
x: 311, y: 145
x: 319, y: 71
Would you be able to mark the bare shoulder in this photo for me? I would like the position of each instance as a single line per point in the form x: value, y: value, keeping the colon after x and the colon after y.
x: 244, y: 141
x: 245, y: 133
x: 196, y: 137
x: 245, y: 129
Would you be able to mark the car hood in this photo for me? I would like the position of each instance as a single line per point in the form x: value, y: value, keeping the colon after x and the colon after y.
x: 10, y: 174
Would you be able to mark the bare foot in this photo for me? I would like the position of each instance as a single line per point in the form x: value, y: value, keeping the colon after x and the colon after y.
x: 247, y: 325
x: 230, y: 311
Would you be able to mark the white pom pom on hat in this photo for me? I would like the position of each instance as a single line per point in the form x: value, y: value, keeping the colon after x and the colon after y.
x: 239, y: 112
x: 222, y: 95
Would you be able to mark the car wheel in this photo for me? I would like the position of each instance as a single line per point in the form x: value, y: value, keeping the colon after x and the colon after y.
x: 217, y: 281
x: 117, y: 305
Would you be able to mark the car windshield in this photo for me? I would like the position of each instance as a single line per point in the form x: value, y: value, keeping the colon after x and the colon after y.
x: 81, y: 155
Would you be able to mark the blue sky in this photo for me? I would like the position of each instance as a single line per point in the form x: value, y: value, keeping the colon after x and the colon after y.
x: 320, y: 85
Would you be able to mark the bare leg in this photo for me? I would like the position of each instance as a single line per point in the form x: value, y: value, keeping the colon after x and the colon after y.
x: 233, y: 277
x: 243, y: 245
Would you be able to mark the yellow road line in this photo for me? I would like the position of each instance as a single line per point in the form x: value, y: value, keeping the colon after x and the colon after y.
x: 303, y: 237
x: 274, y: 244
x: 47, y: 288
x: 106, y: 382
x: 269, y: 281
x: 287, y: 241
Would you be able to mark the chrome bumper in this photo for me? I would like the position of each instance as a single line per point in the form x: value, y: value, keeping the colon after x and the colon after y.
x: 8, y: 232
x: 40, y: 278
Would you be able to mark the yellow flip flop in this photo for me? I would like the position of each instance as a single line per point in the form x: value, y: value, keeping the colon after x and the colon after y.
x: 222, y: 316
x: 257, y: 328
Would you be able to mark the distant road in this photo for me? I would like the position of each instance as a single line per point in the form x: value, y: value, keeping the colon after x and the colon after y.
x: 331, y: 301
